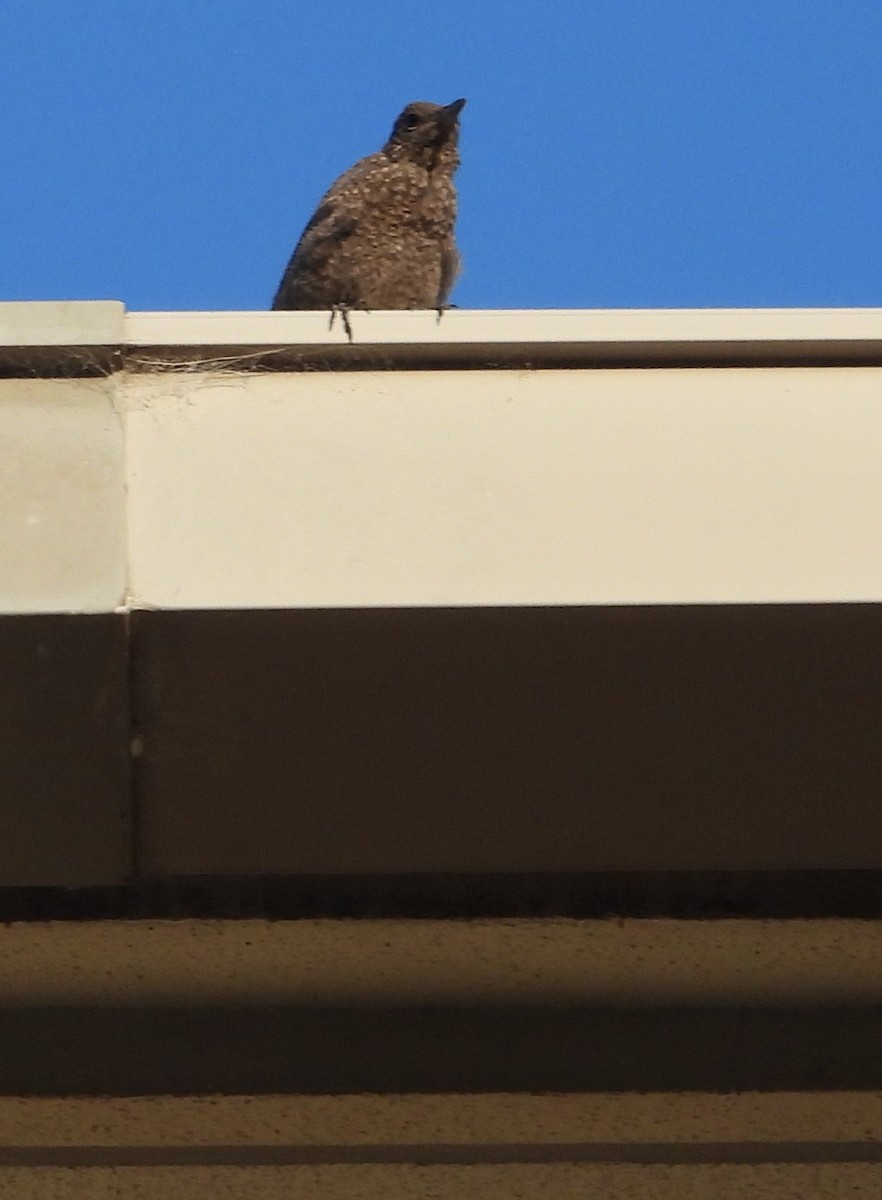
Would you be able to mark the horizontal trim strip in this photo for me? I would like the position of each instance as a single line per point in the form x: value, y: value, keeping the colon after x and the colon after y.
x: 424, y: 1154
x: 677, y: 895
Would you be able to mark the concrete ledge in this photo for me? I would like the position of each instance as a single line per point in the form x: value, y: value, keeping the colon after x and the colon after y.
x: 608, y: 964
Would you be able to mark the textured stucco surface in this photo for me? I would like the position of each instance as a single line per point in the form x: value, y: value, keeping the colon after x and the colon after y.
x: 558, y: 1181
x: 613, y: 962
x: 473, y: 1121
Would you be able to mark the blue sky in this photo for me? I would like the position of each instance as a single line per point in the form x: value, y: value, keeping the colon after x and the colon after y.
x: 616, y: 153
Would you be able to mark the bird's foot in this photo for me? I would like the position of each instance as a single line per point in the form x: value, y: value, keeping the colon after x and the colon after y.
x: 441, y: 310
x: 343, y: 311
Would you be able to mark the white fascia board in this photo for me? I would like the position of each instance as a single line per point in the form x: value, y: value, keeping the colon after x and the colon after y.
x: 361, y: 489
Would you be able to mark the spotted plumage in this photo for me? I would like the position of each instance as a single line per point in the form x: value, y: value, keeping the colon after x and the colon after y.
x: 382, y: 236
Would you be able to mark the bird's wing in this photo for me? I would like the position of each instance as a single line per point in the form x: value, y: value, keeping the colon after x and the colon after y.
x: 335, y: 219
x: 338, y: 212
x: 330, y: 221
x: 329, y: 225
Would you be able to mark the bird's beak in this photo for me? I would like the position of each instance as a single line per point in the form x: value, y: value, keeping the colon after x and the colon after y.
x: 451, y: 111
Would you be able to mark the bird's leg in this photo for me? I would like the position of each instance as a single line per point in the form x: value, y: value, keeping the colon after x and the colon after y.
x: 441, y: 310
x: 343, y: 310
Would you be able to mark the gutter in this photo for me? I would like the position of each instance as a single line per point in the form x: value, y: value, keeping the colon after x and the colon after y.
x: 92, y: 337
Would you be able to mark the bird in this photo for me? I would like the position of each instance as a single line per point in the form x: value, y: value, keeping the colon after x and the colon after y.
x: 382, y: 236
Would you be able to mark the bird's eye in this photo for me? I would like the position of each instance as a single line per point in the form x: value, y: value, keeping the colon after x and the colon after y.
x: 411, y: 121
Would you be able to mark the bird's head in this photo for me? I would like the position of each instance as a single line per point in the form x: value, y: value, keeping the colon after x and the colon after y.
x: 426, y: 134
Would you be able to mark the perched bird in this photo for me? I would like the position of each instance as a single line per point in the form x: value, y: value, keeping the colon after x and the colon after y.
x: 382, y: 236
